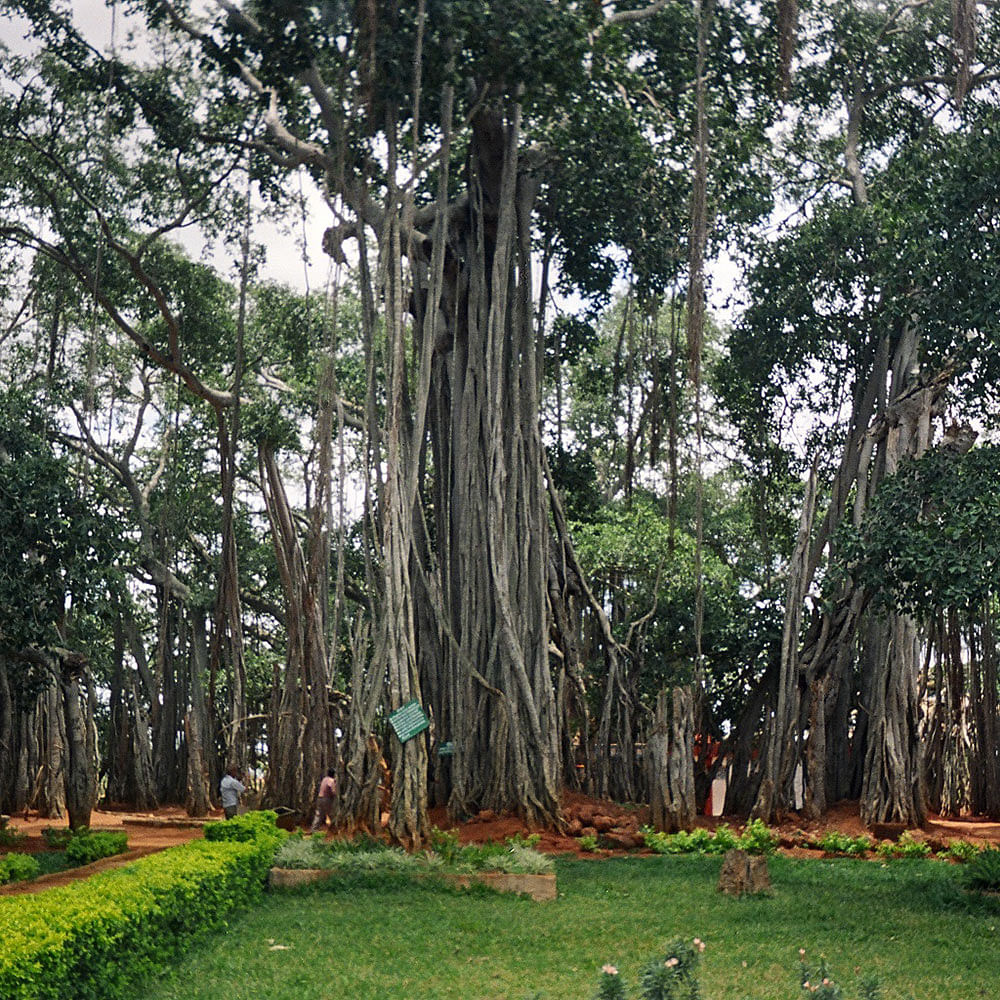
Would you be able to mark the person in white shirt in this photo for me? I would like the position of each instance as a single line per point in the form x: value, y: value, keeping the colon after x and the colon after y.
x: 231, y: 788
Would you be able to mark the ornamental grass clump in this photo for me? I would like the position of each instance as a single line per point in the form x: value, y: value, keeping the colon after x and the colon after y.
x: 298, y: 852
x: 982, y: 873
x: 513, y: 857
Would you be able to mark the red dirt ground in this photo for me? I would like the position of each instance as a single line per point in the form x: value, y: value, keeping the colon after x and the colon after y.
x: 149, y: 832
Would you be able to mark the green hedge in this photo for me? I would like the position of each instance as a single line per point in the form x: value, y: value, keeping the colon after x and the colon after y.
x: 262, y: 823
x: 17, y: 868
x: 95, y: 939
x: 92, y: 845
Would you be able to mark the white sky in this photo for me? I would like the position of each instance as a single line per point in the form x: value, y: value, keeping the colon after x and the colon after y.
x: 103, y: 23
x: 100, y: 22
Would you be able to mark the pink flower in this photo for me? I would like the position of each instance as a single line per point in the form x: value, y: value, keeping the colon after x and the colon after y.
x: 671, y: 962
x: 699, y: 944
x: 826, y: 982
x: 609, y: 970
x: 802, y: 953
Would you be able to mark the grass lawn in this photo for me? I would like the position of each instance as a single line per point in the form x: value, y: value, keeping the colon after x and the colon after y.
x: 384, y: 937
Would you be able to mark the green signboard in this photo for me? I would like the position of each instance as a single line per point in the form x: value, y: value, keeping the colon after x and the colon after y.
x: 408, y: 720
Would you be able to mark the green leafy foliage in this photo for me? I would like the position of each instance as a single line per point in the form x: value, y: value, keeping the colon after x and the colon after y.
x: 53, y: 544
x: 254, y: 826
x: 9, y: 837
x: 834, y: 842
x: 86, y: 846
x: 983, y: 871
x: 57, y: 837
x: 961, y: 850
x: 906, y: 847
x: 18, y: 868
x: 756, y: 838
x: 928, y: 541
x: 674, y: 974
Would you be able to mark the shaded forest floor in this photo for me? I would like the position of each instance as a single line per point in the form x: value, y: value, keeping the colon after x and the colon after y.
x: 615, y: 825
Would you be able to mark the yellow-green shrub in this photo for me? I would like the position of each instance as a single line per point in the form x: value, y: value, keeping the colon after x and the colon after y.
x: 94, y: 939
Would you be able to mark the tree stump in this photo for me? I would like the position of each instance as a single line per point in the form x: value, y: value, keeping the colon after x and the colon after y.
x: 744, y: 873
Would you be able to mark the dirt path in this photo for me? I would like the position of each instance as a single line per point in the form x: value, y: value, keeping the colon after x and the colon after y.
x: 150, y: 832
x: 147, y: 833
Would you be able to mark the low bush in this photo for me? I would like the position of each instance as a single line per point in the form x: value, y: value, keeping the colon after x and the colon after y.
x: 756, y: 838
x: 669, y: 976
x: 85, y: 846
x: 9, y: 837
x: 906, y: 847
x: 57, y: 837
x: 513, y: 857
x: 251, y: 826
x: 833, y: 842
x: 960, y: 850
x: 17, y: 868
x: 98, y: 937
x: 983, y: 871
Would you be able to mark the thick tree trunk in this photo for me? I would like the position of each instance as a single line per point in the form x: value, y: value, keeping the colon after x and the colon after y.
x: 301, y: 745
x: 27, y: 758
x: 893, y: 782
x: 670, y: 751
x: 169, y: 754
x: 744, y: 769
x: 507, y: 751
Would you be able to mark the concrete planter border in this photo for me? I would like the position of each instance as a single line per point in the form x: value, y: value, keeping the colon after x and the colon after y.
x: 538, y: 887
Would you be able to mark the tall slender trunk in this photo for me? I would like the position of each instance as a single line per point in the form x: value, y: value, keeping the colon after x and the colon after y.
x: 7, y: 740
x: 196, y: 723
x: 81, y: 771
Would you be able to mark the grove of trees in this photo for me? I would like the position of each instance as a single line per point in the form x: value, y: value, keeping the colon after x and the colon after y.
x: 515, y: 459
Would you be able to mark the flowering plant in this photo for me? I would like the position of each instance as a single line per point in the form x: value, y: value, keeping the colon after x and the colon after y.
x: 612, y: 986
x: 818, y: 983
x: 674, y: 975
x: 670, y: 976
